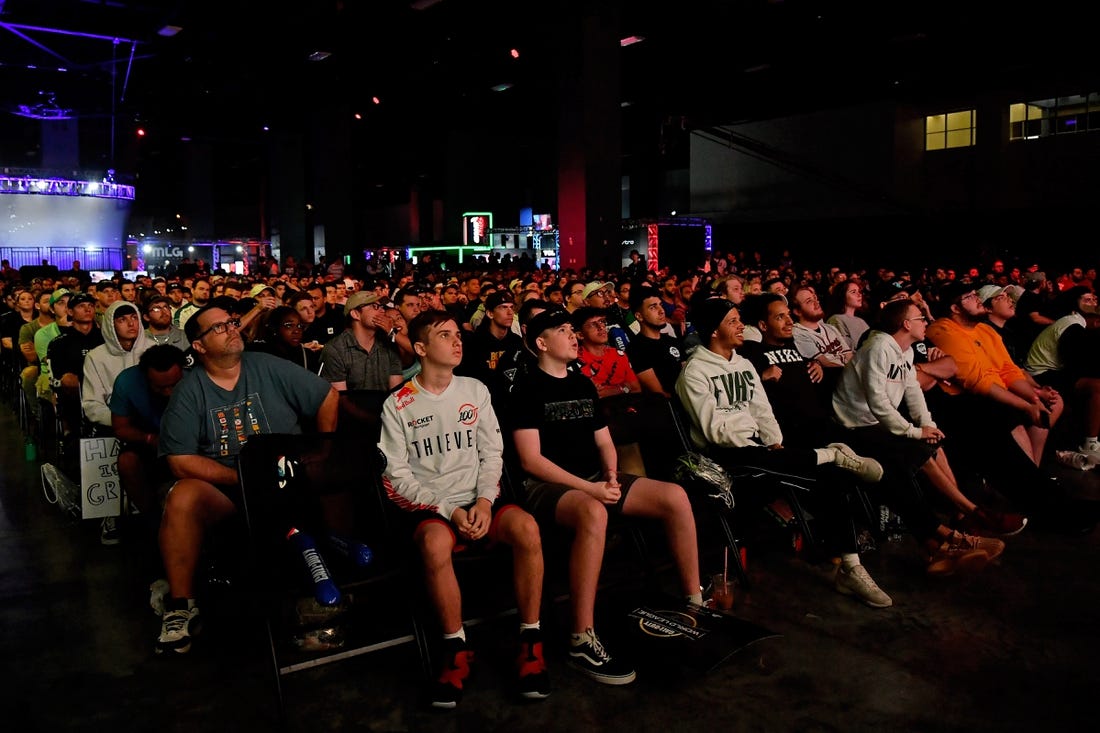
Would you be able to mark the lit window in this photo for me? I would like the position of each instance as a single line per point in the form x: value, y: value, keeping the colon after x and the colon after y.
x: 951, y: 130
x: 1056, y: 116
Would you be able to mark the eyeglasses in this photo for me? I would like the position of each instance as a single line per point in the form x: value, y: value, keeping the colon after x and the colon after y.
x: 291, y: 324
x: 918, y: 318
x: 154, y: 308
x: 220, y: 328
x: 598, y: 325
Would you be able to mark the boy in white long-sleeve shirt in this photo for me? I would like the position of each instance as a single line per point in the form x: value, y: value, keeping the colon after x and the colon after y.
x: 444, y: 457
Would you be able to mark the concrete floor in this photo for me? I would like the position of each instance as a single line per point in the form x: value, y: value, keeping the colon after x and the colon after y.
x: 1012, y: 648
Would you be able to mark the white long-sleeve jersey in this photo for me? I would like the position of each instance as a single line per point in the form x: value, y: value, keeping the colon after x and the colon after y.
x: 443, y: 451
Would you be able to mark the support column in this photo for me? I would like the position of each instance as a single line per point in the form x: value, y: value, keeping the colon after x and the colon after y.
x: 589, y: 145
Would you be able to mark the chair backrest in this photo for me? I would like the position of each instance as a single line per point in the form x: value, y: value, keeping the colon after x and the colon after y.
x: 284, y: 479
x: 361, y: 410
x: 650, y: 420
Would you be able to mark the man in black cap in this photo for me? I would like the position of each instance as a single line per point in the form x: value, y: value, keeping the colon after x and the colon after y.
x: 565, y: 448
x: 491, y: 340
x: 65, y: 355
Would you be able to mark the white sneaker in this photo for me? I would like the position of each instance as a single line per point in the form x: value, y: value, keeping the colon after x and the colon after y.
x: 1092, y: 455
x: 856, y: 581
x: 1073, y: 459
x: 868, y: 469
x: 176, y: 630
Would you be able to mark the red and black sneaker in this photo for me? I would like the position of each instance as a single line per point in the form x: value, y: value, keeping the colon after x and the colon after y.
x: 534, y: 682
x: 456, y: 668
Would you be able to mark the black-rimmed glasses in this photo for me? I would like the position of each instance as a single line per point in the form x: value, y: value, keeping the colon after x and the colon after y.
x: 220, y: 328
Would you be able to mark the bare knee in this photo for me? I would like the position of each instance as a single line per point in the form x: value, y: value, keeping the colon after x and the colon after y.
x: 436, y: 544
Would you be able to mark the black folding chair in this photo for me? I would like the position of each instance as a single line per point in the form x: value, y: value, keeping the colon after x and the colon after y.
x: 286, y: 482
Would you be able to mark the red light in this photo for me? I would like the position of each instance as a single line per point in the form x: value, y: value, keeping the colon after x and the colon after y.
x: 358, y: 116
x: 514, y: 53
x: 376, y: 100
x: 141, y: 132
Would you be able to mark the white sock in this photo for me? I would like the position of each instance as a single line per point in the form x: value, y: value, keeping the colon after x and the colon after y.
x: 1091, y: 444
x: 849, y: 560
x: 696, y: 598
x: 582, y: 637
x: 524, y: 627
x: 825, y: 455
x: 460, y: 634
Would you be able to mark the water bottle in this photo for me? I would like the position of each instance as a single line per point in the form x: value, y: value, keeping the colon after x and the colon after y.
x: 351, y: 548
x: 30, y: 451
x: 324, y: 589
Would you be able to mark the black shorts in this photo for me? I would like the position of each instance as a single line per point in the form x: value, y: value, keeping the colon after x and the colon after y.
x: 543, y: 496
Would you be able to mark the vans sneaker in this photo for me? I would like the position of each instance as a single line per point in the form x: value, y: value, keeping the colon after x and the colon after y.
x: 868, y: 469
x: 447, y: 692
x: 856, y: 581
x: 589, y: 656
x: 534, y: 682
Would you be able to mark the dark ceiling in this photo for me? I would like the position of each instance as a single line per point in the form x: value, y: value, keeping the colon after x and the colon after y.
x: 235, y: 67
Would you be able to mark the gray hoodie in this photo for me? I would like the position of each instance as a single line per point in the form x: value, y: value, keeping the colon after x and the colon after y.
x: 105, y: 362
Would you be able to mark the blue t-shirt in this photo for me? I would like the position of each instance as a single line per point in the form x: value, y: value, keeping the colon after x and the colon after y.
x: 272, y: 395
x: 131, y: 398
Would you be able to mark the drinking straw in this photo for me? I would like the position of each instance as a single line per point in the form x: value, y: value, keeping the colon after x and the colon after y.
x: 725, y: 564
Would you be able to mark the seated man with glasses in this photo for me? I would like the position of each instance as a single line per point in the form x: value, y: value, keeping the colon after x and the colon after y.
x: 159, y: 327
x: 230, y: 395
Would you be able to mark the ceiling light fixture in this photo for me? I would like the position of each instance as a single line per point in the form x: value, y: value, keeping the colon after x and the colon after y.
x: 169, y: 30
x: 319, y: 55
x: 501, y: 87
x: 631, y: 40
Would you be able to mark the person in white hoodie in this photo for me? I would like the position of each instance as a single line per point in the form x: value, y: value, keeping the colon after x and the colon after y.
x: 867, y: 400
x: 124, y: 341
x: 733, y: 423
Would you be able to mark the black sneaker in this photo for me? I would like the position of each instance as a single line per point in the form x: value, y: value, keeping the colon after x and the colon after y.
x: 456, y: 668
x: 534, y: 681
x: 589, y: 656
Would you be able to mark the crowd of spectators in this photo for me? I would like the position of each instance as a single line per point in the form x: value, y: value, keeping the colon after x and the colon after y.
x: 850, y: 380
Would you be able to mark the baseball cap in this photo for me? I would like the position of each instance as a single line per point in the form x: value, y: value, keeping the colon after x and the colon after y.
x: 106, y: 285
x: 1035, y: 277
x: 498, y: 298
x: 988, y: 292
x: 954, y: 290
x: 175, y: 286
x: 591, y: 288
x: 259, y: 288
x: 360, y: 299
x: 1014, y: 292
x: 78, y: 298
x: 543, y: 322
x: 59, y: 294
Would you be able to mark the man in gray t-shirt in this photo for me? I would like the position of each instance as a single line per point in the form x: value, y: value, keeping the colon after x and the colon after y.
x: 230, y: 396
